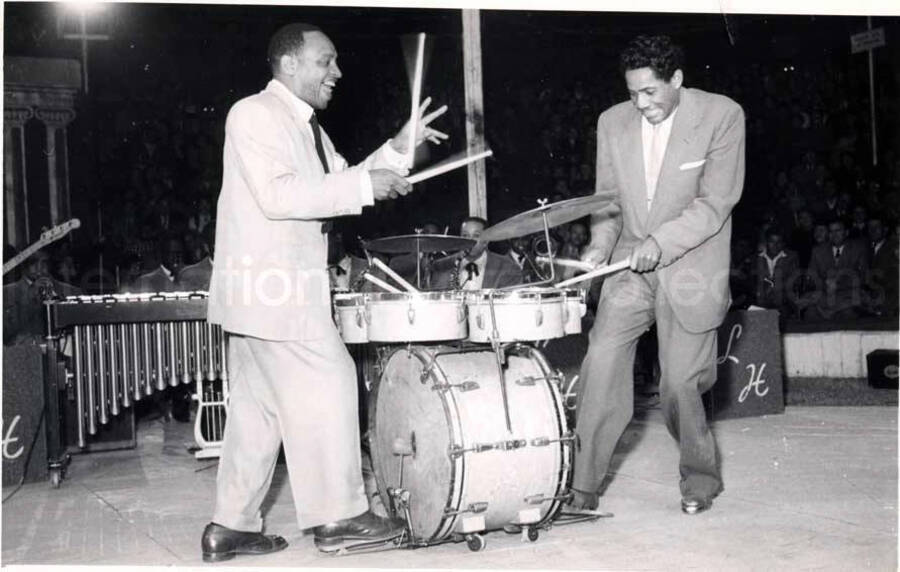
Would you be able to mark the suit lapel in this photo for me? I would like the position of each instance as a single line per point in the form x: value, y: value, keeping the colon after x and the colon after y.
x: 633, y: 162
x: 686, y: 120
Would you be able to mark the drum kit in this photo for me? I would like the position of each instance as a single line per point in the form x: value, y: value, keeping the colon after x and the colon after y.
x: 467, y: 429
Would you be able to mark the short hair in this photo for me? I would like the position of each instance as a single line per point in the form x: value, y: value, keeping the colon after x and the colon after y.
x: 839, y: 221
x: 658, y: 53
x: 286, y: 41
x: 477, y: 219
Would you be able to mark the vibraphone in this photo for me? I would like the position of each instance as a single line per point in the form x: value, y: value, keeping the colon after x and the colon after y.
x: 125, y: 347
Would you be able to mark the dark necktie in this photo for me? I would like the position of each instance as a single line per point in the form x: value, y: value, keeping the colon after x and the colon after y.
x: 320, y: 151
x: 472, y: 269
x: 837, y: 254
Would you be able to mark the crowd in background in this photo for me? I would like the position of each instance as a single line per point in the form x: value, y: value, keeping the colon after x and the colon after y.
x: 810, y: 184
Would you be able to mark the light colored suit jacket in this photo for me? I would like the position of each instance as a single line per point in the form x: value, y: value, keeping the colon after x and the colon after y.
x: 700, y: 181
x: 270, y: 279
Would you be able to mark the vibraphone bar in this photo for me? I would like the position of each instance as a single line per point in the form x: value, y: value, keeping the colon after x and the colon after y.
x: 127, y: 346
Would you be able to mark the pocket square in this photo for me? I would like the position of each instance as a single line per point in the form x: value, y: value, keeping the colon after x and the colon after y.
x: 691, y: 165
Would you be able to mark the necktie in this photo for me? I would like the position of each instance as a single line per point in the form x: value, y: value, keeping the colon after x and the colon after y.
x: 654, y: 163
x: 837, y: 254
x: 320, y: 151
x: 472, y: 269
x: 317, y: 137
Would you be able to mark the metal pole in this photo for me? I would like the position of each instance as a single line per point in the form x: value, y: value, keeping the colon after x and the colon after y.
x: 84, y: 48
x: 872, y: 99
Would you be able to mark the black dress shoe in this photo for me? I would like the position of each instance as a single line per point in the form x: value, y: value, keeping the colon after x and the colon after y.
x: 695, y: 505
x: 365, y: 528
x: 220, y: 543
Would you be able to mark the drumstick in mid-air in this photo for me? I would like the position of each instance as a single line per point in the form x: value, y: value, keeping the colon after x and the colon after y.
x: 381, y: 283
x: 568, y: 262
x: 416, y: 96
x: 443, y: 167
x: 387, y: 270
x: 602, y: 271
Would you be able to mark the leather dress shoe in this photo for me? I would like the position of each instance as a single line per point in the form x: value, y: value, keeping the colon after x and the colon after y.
x: 367, y: 527
x: 220, y: 543
x: 695, y: 505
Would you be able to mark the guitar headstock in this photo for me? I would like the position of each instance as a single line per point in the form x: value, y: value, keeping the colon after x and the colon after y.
x: 60, y: 230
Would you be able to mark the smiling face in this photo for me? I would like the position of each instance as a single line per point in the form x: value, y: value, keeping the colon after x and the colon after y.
x: 655, y: 98
x: 311, y: 73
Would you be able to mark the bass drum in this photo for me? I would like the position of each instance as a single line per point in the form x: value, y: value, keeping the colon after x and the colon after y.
x: 438, y: 420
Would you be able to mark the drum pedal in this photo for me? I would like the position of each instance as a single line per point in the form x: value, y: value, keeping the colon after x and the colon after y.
x: 372, y: 546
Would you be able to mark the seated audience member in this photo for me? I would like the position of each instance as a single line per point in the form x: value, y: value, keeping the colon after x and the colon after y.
x: 159, y: 270
x: 344, y: 269
x: 858, y: 229
x: 487, y: 270
x: 882, y: 283
x: 837, y: 270
x: 23, y: 300
x: 801, y: 239
x: 777, y: 275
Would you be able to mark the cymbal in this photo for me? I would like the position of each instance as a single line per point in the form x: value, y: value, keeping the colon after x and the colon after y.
x: 557, y: 213
x: 418, y: 243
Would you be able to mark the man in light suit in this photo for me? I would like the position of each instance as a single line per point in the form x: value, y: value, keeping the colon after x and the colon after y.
x: 674, y: 157
x: 292, y: 381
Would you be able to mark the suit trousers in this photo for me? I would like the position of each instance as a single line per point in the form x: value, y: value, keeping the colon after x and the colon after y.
x: 302, y: 395
x: 629, y: 304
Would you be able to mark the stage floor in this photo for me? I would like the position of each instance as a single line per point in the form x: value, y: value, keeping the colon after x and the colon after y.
x: 815, y: 487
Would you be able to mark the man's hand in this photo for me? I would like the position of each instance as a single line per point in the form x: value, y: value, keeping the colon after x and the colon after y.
x: 387, y: 184
x: 646, y: 257
x: 400, y: 142
x: 594, y: 257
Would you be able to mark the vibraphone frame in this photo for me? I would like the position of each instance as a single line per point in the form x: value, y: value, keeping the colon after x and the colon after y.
x: 123, y: 348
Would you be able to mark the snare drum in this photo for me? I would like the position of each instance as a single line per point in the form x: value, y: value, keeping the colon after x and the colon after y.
x: 422, y: 317
x: 574, y: 309
x: 437, y: 424
x: 525, y: 315
x: 350, y: 317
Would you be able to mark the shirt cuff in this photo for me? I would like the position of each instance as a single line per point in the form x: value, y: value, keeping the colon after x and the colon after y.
x: 398, y: 161
x: 366, y: 193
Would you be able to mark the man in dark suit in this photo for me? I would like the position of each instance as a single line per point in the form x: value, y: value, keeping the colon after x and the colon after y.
x: 674, y: 159
x: 487, y: 270
x: 837, y: 270
x: 882, y: 280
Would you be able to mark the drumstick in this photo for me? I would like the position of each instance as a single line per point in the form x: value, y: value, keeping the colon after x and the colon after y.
x: 568, y: 262
x: 441, y: 169
x: 381, y: 283
x: 409, y: 287
x: 416, y: 96
x: 602, y: 271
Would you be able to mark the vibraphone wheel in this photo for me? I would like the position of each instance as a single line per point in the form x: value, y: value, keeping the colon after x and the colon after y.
x: 475, y: 542
x: 55, y: 478
x: 531, y: 533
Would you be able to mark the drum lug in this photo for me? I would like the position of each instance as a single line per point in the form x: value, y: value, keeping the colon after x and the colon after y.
x: 458, y: 451
x: 538, y: 317
x: 463, y: 386
x: 411, y: 314
x: 527, y: 381
x: 540, y: 499
x: 474, y: 508
x: 544, y: 441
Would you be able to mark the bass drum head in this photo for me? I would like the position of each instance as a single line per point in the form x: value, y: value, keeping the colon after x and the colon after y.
x: 409, y: 417
x: 420, y: 417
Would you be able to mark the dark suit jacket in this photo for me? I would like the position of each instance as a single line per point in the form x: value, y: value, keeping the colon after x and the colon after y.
x: 700, y: 181
x: 842, y: 278
x: 499, y: 272
x: 196, y: 276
